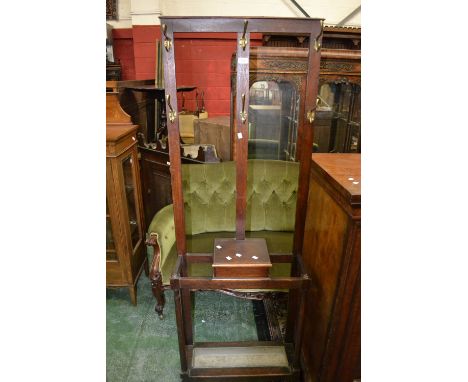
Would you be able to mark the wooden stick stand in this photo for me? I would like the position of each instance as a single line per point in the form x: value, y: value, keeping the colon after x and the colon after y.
x: 241, y: 361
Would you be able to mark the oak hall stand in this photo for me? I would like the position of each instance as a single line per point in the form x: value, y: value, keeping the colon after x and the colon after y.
x: 241, y: 361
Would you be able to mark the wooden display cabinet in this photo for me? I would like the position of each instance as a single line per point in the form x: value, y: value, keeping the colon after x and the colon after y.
x: 277, y: 83
x: 125, y: 247
x: 277, y: 79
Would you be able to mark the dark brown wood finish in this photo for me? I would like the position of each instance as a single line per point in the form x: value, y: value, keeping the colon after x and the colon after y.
x: 241, y: 132
x: 304, y: 148
x: 155, y: 181
x: 241, y: 258
x: 208, y: 257
x: 279, y: 25
x: 170, y: 87
x: 180, y: 331
x: 155, y: 276
x: 331, y: 251
x: 180, y: 281
x: 175, y: 167
x: 306, y: 135
x: 207, y: 283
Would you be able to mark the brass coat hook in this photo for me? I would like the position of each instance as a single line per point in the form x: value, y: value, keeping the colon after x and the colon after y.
x: 243, y: 113
x: 172, y: 113
x: 311, y: 113
x: 317, y: 44
x: 167, y: 40
x: 243, y: 40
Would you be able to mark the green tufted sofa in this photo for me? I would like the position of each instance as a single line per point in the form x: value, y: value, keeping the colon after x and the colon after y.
x: 210, y: 212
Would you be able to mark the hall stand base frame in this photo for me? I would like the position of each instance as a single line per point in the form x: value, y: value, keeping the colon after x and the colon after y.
x: 236, y: 361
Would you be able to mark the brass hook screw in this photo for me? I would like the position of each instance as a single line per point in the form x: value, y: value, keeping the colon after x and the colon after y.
x: 243, y: 40
x: 318, y: 45
x: 243, y: 113
x: 172, y: 114
x: 167, y: 40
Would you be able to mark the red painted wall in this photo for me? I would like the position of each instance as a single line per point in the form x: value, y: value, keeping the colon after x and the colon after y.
x: 202, y: 60
x: 144, y: 48
x: 123, y: 50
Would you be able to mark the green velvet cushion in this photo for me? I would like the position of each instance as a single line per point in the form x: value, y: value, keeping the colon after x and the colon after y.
x: 271, y: 195
x: 163, y: 225
x: 210, y: 196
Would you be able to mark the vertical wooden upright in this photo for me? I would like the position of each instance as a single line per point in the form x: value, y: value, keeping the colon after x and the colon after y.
x: 306, y: 135
x: 242, y: 132
x: 170, y: 87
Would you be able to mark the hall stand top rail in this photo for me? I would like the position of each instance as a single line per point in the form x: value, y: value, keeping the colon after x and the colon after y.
x: 286, y: 354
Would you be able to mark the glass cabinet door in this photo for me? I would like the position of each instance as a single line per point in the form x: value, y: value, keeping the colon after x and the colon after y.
x: 338, y: 122
x: 131, y: 200
x: 110, y: 245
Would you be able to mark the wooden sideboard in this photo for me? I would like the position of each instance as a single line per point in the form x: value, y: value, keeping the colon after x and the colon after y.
x: 332, y: 253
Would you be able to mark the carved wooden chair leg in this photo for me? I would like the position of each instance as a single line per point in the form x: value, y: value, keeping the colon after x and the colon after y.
x: 158, y: 292
x: 155, y: 275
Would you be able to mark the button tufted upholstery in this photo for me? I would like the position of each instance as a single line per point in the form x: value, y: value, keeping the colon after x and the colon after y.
x: 210, y: 196
x: 210, y: 206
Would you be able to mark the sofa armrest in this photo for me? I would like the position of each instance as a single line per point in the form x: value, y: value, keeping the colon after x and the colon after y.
x: 161, y: 238
x: 154, y: 271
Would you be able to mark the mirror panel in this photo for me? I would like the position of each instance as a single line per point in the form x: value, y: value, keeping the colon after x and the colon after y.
x: 273, y: 113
